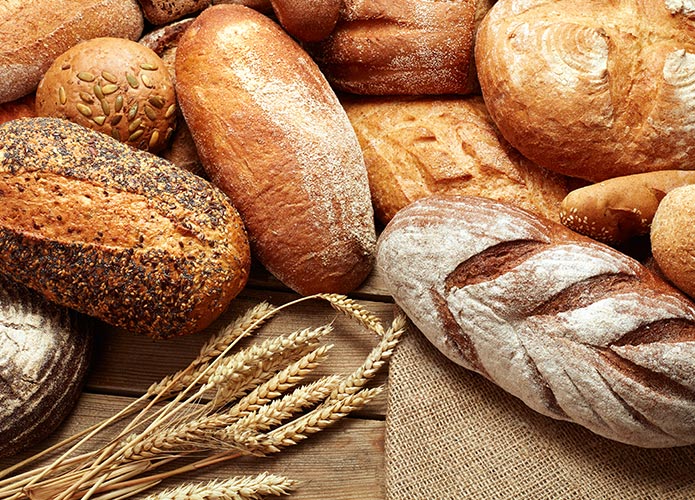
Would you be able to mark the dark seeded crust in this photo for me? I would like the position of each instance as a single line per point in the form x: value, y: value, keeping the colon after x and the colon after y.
x: 168, y: 278
x: 43, y: 372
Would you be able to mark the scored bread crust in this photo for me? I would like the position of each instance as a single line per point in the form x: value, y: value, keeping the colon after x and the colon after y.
x: 574, y: 328
x: 272, y: 134
x: 114, y: 232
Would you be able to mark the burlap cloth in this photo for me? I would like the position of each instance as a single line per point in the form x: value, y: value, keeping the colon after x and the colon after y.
x: 451, y: 434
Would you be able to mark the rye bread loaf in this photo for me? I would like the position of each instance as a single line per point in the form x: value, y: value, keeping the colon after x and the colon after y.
x: 272, y: 134
x: 33, y: 33
x: 114, y: 232
x: 592, y: 90
x: 574, y: 328
x: 160, y: 12
x: 417, y: 147
x: 44, y: 356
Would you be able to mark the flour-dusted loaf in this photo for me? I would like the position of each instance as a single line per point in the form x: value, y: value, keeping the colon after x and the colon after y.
x: 33, y: 33
x: 592, y: 89
x: 114, y: 232
x: 44, y: 356
x: 272, y: 134
x: 415, y: 147
x: 574, y: 328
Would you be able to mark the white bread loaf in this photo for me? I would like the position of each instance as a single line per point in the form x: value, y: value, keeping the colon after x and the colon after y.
x: 574, y: 328
x: 592, y: 90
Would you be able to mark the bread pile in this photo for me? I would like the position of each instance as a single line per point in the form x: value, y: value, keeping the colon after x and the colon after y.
x: 279, y: 130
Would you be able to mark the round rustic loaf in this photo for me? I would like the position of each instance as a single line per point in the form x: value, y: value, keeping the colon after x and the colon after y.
x: 33, y: 33
x: 272, y: 134
x: 44, y: 356
x: 447, y: 145
x: 402, y: 47
x: 592, y: 90
x: 574, y: 328
x: 116, y: 86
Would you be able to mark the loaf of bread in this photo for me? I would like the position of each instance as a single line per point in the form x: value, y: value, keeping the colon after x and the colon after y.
x: 44, y: 356
x: 33, y: 33
x: 272, y: 134
x: 160, y: 12
x: 307, y: 20
x: 577, y: 330
x: 114, y: 232
x: 116, y: 86
x: 402, y: 47
x: 24, y: 107
x: 449, y: 145
x: 617, y: 209
x: 594, y: 90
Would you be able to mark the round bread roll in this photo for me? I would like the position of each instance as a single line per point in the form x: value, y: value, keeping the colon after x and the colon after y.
x: 307, y: 20
x: 115, y: 86
x: 673, y: 238
x: 592, y: 90
x: 417, y: 147
x: 44, y: 356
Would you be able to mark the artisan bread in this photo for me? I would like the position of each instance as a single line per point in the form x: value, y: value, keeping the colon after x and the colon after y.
x: 593, y: 90
x: 402, y: 47
x: 449, y: 145
x: 574, y: 328
x: 24, y: 107
x: 159, y: 12
x: 114, y: 232
x: 272, y: 134
x: 615, y: 210
x: 307, y: 20
x: 44, y: 356
x: 116, y: 86
x: 33, y: 33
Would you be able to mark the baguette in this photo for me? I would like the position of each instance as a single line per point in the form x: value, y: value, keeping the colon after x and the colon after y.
x: 575, y: 329
x: 272, y: 134
x: 114, y: 232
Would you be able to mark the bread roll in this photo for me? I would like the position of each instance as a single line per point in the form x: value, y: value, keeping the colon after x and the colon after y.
x: 44, y: 356
x: 24, y: 107
x: 402, y: 47
x: 615, y: 210
x: 116, y: 233
x: 33, y: 33
x: 160, y: 12
x: 417, y: 147
x: 116, y: 86
x: 272, y: 134
x: 307, y: 20
x: 592, y: 90
x: 577, y: 330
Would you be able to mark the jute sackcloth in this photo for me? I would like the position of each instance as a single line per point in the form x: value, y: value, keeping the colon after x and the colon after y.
x: 451, y: 434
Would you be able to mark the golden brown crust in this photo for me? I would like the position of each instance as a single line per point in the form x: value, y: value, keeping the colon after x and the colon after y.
x: 591, y: 94
x: 307, y: 20
x: 615, y: 210
x: 417, y: 147
x: 402, y: 47
x: 116, y: 86
x: 33, y: 34
x: 272, y: 134
x: 114, y: 232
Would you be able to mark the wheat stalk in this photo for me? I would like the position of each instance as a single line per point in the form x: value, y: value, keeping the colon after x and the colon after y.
x: 236, y: 488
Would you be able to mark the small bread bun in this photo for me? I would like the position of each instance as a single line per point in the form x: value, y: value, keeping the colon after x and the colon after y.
x: 615, y: 210
x: 307, y: 20
x: 115, y: 86
x: 673, y: 238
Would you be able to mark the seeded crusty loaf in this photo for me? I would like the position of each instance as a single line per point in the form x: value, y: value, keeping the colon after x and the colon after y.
x: 115, y: 232
x: 272, y: 134
x: 574, y: 328
x: 33, y: 33
x: 44, y: 355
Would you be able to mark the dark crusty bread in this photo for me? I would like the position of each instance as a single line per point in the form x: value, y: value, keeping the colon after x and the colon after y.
x: 574, y: 328
x: 24, y: 107
x: 114, y: 232
x: 307, y: 20
x: 44, y: 356
x: 272, y: 134
x: 160, y: 12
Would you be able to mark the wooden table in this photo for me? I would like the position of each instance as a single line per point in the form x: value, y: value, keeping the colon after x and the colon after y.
x: 343, y: 462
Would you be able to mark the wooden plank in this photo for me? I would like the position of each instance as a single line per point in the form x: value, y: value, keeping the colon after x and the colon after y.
x: 343, y: 462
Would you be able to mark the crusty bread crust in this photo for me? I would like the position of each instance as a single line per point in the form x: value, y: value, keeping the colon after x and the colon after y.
x: 116, y: 233
x: 272, y: 134
x: 574, y: 328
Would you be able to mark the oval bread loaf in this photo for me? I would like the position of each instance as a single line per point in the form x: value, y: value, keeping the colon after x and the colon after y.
x: 272, y: 134
x: 574, y: 328
x: 44, y: 356
x: 114, y: 232
x: 33, y: 34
